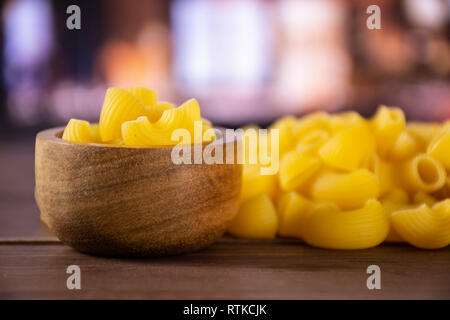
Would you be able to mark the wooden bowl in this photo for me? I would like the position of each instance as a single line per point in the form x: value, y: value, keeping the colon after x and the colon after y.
x: 132, y: 201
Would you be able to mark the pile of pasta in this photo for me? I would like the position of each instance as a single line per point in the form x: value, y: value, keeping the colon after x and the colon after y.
x: 134, y: 117
x: 346, y: 182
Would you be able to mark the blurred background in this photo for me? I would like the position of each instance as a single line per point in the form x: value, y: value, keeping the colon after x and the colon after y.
x: 245, y: 61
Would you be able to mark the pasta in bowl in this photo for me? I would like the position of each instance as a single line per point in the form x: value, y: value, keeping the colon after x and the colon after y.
x: 114, y: 189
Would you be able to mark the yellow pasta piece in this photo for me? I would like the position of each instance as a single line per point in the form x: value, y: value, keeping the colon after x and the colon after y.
x: 79, y: 131
x: 296, y: 168
x: 147, y: 96
x: 345, y: 120
x: 404, y: 148
x: 153, y: 113
x: 387, y: 125
x: 165, y: 105
x: 312, y: 141
x: 347, y: 190
x: 313, y: 121
x: 119, y: 106
x: 95, y: 131
x: 321, y: 207
x: 117, y: 142
x: 347, y: 148
x: 148, y: 122
x: 424, y: 227
x: 397, y: 196
x: 256, y: 219
x: 422, y: 132
x: 439, y: 148
x: 141, y: 132
x: 181, y: 117
x: 293, y: 210
x: 395, y: 200
x: 254, y: 183
x: 361, y: 228
x: 383, y: 170
x: 422, y: 197
x: 206, y: 124
x: 422, y: 173
x: 286, y: 139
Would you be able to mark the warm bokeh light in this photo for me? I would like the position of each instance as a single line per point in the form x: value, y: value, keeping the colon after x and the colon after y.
x: 246, y: 61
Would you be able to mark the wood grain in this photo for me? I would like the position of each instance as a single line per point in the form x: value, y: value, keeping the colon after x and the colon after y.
x: 132, y: 201
x: 229, y: 269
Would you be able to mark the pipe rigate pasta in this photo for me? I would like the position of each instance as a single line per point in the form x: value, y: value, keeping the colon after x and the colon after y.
x: 119, y: 106
x: 423, y: 132
x: 154, y: 112
x: 142, y: 132
x: 296, y: 168
x: 383, y: 170
x: 348, y: 148
x: 254, y: 183
x: 395, y: 200
x: 345, y: 120
x: 80, y: 131
x: 347, y: 190
x: 439, y: 148
x: 256, y: 219
x: 387, y: 125
x: 317, y: 120
x: 424, y: 227
x: 312, y: 141
x: 147, y: 96
x: 404, y: 148
x: 293, y: 210
x: 422, y: 173
x: 361, y: 228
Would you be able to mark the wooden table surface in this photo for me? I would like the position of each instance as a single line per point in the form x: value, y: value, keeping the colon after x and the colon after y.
x: 33, y: 263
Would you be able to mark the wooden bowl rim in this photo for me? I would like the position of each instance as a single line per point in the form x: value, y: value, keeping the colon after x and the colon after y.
x: 55, y: 135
